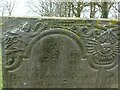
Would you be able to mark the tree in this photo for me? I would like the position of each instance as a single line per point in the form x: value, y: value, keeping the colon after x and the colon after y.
x: 61, y: 9
x: 116, y: 7
x: 7, y: 7
x: 105, y: 8
x: 92, y: 9
x: 42, y: 8
x: 72, y: 9
x: 77, y: 8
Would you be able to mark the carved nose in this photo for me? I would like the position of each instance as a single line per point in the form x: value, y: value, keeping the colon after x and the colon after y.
x: 105, y: 47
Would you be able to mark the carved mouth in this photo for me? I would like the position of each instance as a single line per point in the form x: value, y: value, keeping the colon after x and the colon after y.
x: 106, y: 50
x: 104, y: 59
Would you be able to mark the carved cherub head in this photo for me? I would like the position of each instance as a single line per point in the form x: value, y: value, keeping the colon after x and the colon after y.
x: 103, y: 49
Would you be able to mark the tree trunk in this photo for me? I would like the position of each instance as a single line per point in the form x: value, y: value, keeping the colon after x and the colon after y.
x: 92, y: 10
x: 69, y: 8
x: 104, y: 10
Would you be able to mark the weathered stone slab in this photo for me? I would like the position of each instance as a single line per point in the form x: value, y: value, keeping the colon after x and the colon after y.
x: 60, y: 53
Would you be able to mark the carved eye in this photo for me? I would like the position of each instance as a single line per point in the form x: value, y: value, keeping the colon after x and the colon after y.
x: 112, y: 40
x: 102, y: 39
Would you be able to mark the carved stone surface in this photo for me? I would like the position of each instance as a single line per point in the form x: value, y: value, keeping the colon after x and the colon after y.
x: 60, y: 53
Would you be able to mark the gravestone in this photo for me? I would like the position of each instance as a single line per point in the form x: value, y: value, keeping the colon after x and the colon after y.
x: 60, y: 53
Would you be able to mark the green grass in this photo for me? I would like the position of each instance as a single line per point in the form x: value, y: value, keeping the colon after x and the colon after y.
x: 0, y: 70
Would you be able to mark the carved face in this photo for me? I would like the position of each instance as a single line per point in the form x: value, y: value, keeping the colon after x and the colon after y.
x: 103, y: 49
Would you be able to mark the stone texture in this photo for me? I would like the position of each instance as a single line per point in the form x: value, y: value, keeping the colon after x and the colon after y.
x: 60, y: 53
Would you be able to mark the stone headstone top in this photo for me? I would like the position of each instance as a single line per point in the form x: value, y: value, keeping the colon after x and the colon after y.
x: 60, y: 53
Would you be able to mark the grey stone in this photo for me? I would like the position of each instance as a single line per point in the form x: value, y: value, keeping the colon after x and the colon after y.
x: 60, y: 53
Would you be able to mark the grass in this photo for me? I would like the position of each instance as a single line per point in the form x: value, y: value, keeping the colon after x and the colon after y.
x: 0, y: 70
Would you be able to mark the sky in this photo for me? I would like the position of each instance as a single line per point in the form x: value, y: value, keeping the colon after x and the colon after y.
x: 21, y: 9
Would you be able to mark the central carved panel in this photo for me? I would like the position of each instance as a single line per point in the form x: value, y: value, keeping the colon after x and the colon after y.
x: 57, y: 57
x: 58, y: 65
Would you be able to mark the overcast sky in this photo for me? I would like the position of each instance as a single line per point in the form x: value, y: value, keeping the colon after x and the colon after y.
x: 21, y: 9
